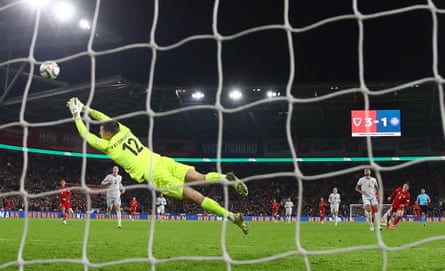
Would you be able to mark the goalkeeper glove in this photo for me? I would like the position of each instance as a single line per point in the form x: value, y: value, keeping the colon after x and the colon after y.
x: 75, y: 106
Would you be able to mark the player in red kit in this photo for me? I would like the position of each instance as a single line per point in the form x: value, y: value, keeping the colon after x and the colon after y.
x: 400, y: 200
x: 133, y: 206
x: 64, y: 198
x: 322, y: 204
x: 275, y: 207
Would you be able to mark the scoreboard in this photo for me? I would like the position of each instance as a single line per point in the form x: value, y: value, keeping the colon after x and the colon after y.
x: 375, y: 123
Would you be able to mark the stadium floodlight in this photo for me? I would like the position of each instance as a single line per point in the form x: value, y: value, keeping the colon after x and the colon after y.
x: 36, y: 3
x: 198, y: 95
x: 64, y: 11
x: 84, y: 24
x: 271, y: 93
x: 235, y: 94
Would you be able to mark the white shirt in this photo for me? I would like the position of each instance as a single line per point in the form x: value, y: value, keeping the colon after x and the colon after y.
x: 288, y: 204
x: 368, y: 186
x: 114, y: 185
x: 334, y: 198
x: 160, y: 201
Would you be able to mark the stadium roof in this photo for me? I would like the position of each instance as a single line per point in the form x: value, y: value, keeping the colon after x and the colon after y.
x: 326, y: 64
x: 254, y: 117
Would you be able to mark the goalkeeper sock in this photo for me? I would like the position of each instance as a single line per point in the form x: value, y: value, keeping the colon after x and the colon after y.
x: 214, y: 176
x: 214, y: 207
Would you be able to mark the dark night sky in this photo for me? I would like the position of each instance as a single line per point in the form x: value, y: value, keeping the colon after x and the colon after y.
x: 397, y: 47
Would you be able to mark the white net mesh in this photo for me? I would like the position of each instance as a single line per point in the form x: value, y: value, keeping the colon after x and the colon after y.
x: 292, y: 29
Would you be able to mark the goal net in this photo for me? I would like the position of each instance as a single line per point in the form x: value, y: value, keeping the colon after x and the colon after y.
x: 356, y: 210
x: 295, y: 97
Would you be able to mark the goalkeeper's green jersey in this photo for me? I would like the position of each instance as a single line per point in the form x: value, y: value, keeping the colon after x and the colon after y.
x: 124, y: 148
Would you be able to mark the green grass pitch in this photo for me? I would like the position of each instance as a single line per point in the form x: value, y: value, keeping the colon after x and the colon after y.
x: 49, y: 245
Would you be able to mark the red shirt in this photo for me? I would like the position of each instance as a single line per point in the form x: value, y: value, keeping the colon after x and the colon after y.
x: 322, y: 205
x: 133, y: 204
x: 275, y: 206
x: 400, y: 198
x: 64, y: 195
x: 8, y: 205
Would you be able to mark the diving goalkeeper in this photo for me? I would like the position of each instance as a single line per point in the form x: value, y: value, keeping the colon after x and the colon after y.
x: 124, y: 148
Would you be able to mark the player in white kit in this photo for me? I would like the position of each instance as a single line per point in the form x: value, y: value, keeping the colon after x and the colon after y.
x: 160, y: 207
x: 367, y: 186
x: 288, y: 206
x: 114, y: 192
x: 334, y: 201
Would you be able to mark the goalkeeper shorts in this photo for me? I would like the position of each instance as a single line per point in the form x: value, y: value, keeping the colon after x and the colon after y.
x: 169, y: 176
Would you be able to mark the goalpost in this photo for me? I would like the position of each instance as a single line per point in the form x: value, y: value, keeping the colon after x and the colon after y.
x: 356, y: 210
x: 290, y: 30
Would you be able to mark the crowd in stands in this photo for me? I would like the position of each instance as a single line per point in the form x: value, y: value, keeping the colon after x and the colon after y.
x: 37, y: 181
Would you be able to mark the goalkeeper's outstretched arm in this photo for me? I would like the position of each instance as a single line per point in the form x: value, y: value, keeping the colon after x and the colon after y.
x: 76, y: 107
x: 94, y: 141
x: 97, y: 115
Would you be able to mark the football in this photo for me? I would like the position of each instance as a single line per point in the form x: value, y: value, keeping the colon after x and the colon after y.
x: 49, y: 70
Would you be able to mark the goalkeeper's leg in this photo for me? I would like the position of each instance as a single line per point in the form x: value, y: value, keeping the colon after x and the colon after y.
x: 191, y: 175
x: 237, y: 184
x: 214, y: 207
